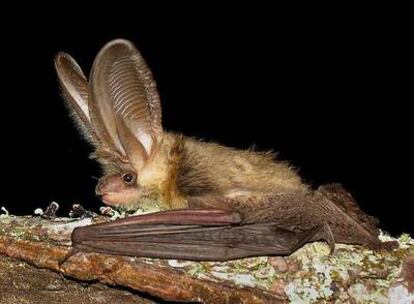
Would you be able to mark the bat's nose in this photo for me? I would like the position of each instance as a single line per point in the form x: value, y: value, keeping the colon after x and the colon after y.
x: 109, y: 183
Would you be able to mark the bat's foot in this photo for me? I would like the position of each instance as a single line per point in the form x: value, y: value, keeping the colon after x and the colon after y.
x: 388, y: 246
x: 79, y: 212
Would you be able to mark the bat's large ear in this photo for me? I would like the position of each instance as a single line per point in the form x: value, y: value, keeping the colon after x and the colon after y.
x: 76, y: 93
x: 125, y: 102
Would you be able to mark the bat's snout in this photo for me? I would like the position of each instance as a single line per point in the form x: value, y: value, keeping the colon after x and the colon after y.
x: 114, y: 190
x: 110, y: 183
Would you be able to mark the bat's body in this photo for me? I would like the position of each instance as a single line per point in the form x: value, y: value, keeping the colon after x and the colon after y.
x: 190, y: 168
x: 119, y: 112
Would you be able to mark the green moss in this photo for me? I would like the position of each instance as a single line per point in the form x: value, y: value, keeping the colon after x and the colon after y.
x: 18, y: 232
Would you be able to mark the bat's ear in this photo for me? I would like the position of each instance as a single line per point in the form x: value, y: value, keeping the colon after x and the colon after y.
x: 124, y: 101
x: 76, y: 93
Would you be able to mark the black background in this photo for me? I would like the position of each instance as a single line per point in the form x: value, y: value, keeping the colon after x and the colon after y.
x: 331, y: 94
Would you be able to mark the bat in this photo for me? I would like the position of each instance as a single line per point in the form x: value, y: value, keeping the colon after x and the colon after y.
x: 194, y: 184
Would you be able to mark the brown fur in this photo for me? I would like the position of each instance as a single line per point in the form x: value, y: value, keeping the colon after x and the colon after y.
x: 212, y: 168
x: 184, y: 167
x: 199, y: 168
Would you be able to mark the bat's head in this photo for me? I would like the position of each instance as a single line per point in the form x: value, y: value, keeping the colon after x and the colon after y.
x: 119, y: 112
x: 117, y: 189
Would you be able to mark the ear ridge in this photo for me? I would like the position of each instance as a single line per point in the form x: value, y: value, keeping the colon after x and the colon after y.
x: 135, y: 151
x: 122, y: 89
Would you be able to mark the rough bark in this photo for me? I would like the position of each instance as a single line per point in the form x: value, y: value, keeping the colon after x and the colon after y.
x: 352, y: 274
x: 22, y: 283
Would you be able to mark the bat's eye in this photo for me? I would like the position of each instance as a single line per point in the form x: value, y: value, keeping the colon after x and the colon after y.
x: 128, y: 178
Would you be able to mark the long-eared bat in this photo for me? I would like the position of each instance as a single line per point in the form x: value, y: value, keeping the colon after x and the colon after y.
x: 240, y: 203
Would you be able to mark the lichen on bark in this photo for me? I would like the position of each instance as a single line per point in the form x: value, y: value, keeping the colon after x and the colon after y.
x: 310, y: 275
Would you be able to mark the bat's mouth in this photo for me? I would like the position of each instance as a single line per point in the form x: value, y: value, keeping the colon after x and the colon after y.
x: 109, y: 198
x: 121, y: 198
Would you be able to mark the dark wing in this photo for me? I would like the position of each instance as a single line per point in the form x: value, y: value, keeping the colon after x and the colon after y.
x: 193, y: 234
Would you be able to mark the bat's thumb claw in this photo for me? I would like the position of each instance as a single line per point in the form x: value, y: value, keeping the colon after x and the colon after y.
x: 67, y: 256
